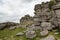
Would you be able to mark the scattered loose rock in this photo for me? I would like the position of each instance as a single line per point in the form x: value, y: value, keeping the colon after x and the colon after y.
x: 56, y: 33
x: 50, y: 37
x: 44, y: 33
x: 20, y: 34
x: 30, y: 34
x: 12, y: 28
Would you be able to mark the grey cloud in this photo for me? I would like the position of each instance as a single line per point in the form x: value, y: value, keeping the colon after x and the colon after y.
x: 27, y: 1
x: 2, y: 14
x: 1, y: 2
x: 5, y: 19
x: 2, y: 19
x: 18, y: 10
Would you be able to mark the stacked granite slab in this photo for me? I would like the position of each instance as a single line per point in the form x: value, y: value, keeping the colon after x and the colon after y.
x: 46, y: 19
x: 56, y: 8
x: 44, y: 15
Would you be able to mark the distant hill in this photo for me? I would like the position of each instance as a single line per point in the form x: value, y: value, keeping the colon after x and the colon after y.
x: 7, y: 25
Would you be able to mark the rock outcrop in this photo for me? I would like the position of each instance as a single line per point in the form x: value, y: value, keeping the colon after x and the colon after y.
x: 26, y: 18
x: 2, y: 26
x: 25, y: 21
x: 45, y: 18
x: 9, y: 25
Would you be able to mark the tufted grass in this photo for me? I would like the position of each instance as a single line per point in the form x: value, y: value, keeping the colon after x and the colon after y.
x: 10, y: 34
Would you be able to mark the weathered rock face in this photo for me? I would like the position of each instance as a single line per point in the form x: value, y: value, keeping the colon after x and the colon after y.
x: 26, y: 18
x: 45, y: 18
x: 25, y: 21
x: 58, y: 1
x: 46, y: 26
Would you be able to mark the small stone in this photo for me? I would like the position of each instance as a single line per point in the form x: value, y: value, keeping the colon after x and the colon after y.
x: 56, y: 33
x: 30, y: 34
x: 24, y: 31
x: 44, y: 33
x: 20, y: 34
x: 54, y: 30
x: 12, y: 28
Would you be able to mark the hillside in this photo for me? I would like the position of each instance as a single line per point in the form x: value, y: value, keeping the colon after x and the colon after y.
x: 7, y: 25
x: 45, y: 25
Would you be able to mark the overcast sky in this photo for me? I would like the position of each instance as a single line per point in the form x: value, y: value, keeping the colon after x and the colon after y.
x: 13, y: 10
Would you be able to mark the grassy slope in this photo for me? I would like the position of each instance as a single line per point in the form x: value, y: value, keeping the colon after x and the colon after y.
x: 10, y: 34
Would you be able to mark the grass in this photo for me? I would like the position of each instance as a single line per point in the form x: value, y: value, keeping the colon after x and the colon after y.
x: 57, y: 36
x: 10, y: 34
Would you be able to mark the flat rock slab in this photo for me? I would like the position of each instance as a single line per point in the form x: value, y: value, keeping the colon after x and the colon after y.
x: 44, y: 33
x: 20, y: 34
x: 50, y: 37
x: 30, y: 34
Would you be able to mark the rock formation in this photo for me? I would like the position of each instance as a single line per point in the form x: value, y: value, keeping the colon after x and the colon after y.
x: 45, y: 18
x: 26, y: 21
x: 45, y: 25
x: 26, y: 18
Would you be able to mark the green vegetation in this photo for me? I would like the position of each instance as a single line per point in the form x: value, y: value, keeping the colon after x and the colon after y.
x: 57, y: 36
x: 51, y: 3
x: 10, y: 34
